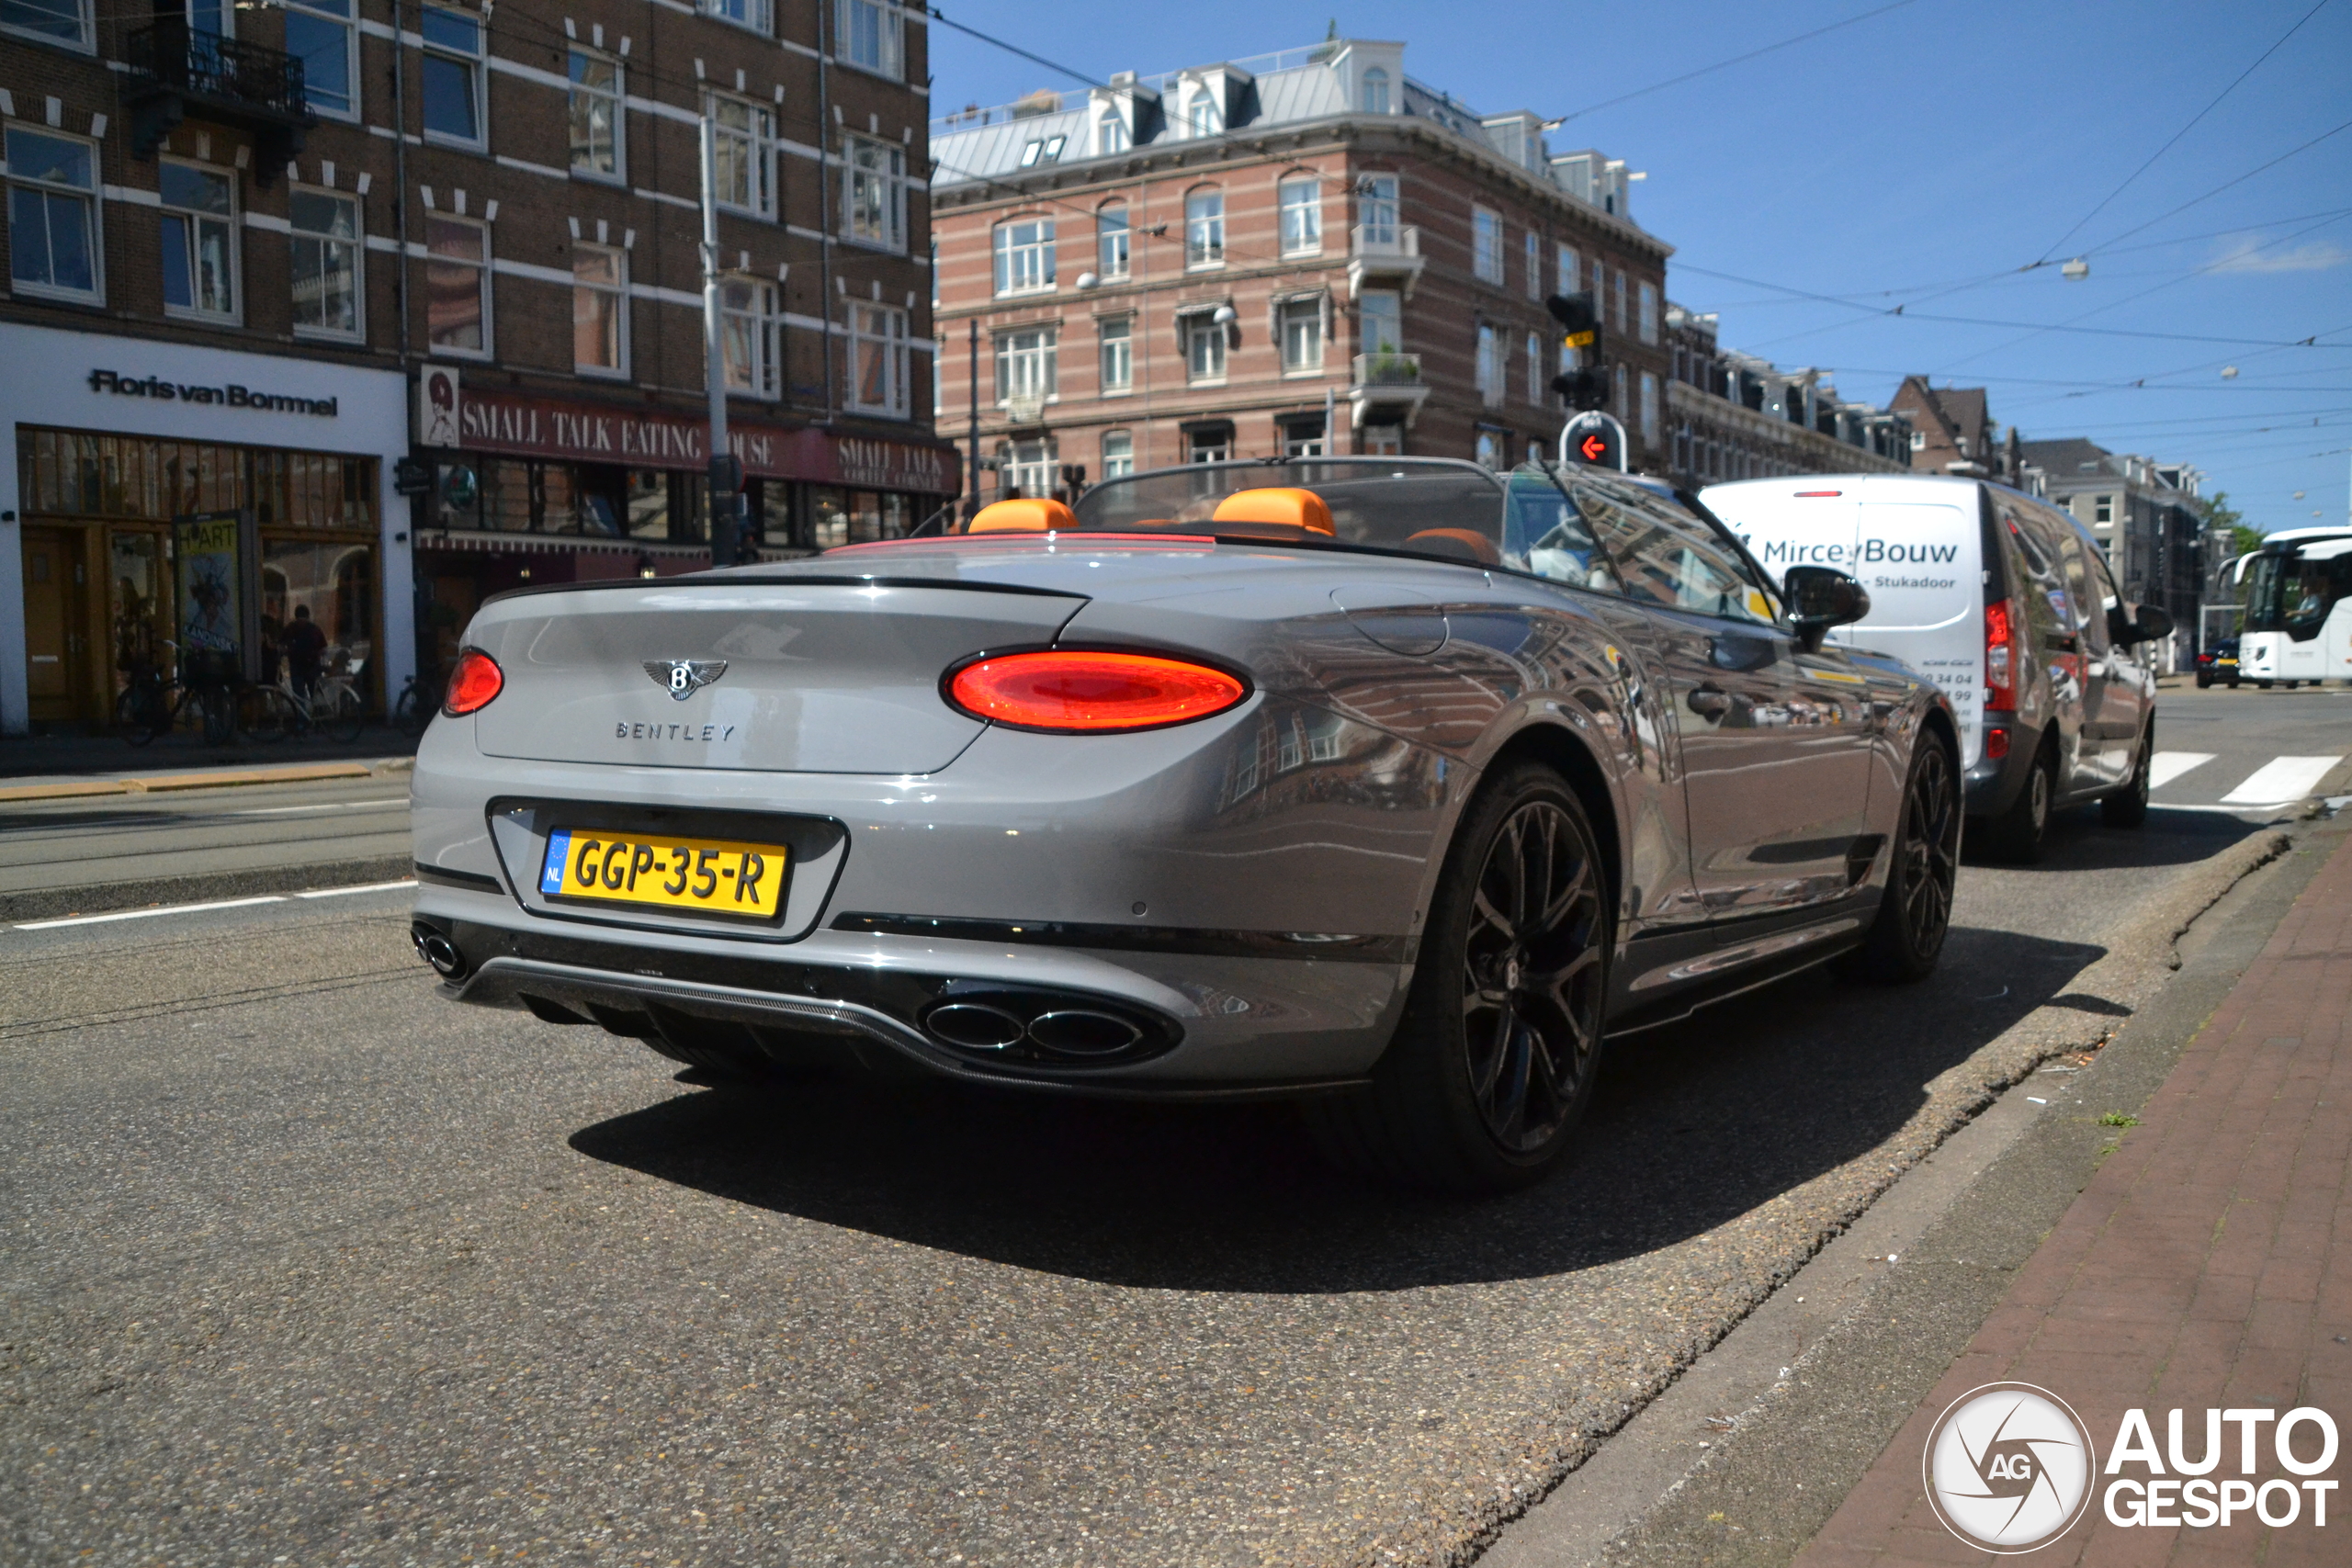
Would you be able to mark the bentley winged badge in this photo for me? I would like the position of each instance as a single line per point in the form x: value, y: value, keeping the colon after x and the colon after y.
x: 684, y: 677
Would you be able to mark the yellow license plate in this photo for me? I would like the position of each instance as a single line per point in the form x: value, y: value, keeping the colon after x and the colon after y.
x: 715, y: 877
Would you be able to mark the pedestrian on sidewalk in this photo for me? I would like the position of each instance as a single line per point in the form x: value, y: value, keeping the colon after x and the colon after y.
x: 305, y: 647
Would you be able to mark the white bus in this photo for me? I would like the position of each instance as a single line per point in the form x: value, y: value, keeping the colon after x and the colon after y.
x: 2298, y: 608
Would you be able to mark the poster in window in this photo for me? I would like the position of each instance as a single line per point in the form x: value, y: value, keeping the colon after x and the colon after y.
x: 217, y: 552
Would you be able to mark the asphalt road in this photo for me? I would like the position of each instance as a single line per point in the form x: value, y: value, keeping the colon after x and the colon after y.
x: 303, y: 1265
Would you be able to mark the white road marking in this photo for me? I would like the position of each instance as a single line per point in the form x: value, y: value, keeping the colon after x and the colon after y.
x: 330, y: 806
x: 2282, y: 779
x: 364, y: 888
x: 220, y: 904
x: 2167, y: 766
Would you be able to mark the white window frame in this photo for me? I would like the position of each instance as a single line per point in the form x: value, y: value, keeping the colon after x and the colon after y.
x: 1301, y: 205
x: 1377, y: 208
x: 1204, y: 116
x: 487, y: 295
x: 1571, y: 269
x: 231, y: 224
x: 882, y: 332
x: 85, y: 40
x: 751, y: 16
x: 90, y: 195
x: 890, y: 38
x: 1535, y: 388
x: 1203, y: 231
x: 1117, y: 359
x: 1027, y: 368
x: 1301, y: 309
x: 1118, y: 454
x: 355, y: 241
x: 618, y: 291
x: 1392, y: 309
x: 615, y: 98
x: 1491, y: 353
x: 1486, y: 245
x: 1648, y: 308
x: 751, y: 144
x: 873, y: 194
x: 1022, y: 266
x: 1534, y: 249
x: 1374, y: 91
x: 1205, y: 350
x: 1033, y: 467
x: 1111, y: 136
x: 1649, y: 407
x: 348, y: 23
x: 1114, y: 241
x: 751, y: 319
x: 476, y: 67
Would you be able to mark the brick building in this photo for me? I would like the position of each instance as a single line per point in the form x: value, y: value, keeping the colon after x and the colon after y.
x: 256, y: 254
x: 1952, y: 432
x: 1734, y: 416
x: 2149, y: 517
x: 1201, y: 264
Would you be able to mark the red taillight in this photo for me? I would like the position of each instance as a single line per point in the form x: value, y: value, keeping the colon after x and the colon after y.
x: 2000, y: 657
x: 1069, y: 690
x: 1816, y: 494
x: 1996, y: 744
x: 473, y: 684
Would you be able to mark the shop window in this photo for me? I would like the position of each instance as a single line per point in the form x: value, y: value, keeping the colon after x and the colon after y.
x: 1204, y: 346
x: 1205, y: 228
x: 1301, y: 217
x: 1118, y: 453
x: 879, y: 360
x: 869, y: 33
x: 1117, y: 334
x: 597, y: 123
x: 752, y: 14
x: 1024, y: 255
x: 1028, y: 364
x: 53, y: 215
x: 1486, y: 245
x: 199, y: 255
x: 599, y: 310
x: 336, y: 584
x: 874, y: 193
x: 456, y: 286
x: 452, y: 76
x: 1302, y: 335
x: 750, y: 333
x: 1110, y: 239
x: 324, y: 243
x: 744, y: 154
x: 51, y: 21
x: 319, y: 33
x: 827, y: 518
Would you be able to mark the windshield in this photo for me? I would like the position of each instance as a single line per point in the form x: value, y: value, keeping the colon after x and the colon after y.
x: 1449, y: 510
x: 2293, y: 592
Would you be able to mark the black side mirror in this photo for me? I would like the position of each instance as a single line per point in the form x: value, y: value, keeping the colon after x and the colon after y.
x: 1820, y: 597
x: 2146, y: 625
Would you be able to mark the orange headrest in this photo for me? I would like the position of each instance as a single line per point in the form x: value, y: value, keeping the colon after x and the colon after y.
x: 1023, y: 515
x: 1459, y: 543
x: 1301, y: 509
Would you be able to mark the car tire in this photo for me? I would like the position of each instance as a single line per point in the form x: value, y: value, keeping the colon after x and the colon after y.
x: 2231, y: 684
x: 2021, y: 834
x: 1915, y: 912
x: 2127, y: 806
x: 1494, y: 1058
x: 2203, y: 680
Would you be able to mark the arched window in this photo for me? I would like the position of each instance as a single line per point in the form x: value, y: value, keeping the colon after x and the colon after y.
x: 1204, y: 117
x: 1376, y: 91
x: 1111, y: 134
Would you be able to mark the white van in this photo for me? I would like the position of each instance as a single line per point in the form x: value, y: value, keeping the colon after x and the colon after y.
x: 2003, y: 601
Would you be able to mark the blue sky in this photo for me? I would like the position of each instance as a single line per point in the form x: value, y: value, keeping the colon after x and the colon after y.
x: 1935, y: 144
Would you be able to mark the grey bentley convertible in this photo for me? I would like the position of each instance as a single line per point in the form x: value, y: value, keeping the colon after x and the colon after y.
x: 1392, y: 785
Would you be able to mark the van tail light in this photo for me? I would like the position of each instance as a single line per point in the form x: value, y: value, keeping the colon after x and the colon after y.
x: 1071, y: 691
x: 473, y: 684
x: 2003, y: 658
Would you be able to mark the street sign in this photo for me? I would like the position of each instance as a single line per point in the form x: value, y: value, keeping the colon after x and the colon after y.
x: 1595, y: 439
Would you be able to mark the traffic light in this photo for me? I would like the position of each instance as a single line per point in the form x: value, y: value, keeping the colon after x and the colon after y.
x: 1594, y: 438
x: 1588, y: 386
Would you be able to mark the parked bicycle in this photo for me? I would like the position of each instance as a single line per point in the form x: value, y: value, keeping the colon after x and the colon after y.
x: 420, y: 698
x: 331, y: 707
x: 151, y: 706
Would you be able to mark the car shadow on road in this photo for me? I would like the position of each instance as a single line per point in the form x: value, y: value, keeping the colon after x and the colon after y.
x: 1690, y: 1126
x: 2080, y: 842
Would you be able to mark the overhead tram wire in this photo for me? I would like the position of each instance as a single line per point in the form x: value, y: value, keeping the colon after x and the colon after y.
x: 2234, y: 84
x: 1722, y: 66
x: 936, y: 14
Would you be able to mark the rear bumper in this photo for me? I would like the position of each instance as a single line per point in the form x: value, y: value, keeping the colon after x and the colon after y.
x: 1992, y: 785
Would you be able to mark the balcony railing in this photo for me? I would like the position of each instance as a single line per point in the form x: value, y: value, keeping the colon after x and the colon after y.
x: 1384, y: 239
x: 175, y: 70
x: 1387, y: 368
x: 1387, y: 255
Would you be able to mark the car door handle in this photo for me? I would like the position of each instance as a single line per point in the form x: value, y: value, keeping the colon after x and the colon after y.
x: 1708, y: 702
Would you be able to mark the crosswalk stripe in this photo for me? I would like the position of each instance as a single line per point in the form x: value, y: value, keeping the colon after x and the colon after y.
x: 2167, y: 766
x: 2280, y: 780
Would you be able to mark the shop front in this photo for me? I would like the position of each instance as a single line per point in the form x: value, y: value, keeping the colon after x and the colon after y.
x: 526, y: 489
x: 124, y: 451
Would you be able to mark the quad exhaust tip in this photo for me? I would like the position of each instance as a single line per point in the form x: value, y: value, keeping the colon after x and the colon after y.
x: 1070, y: 1032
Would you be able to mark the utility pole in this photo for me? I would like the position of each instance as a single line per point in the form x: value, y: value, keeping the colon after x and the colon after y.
x: 972, y: 496
x: 725, y: 469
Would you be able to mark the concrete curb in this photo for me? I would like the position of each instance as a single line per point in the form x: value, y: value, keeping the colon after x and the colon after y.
x: 226, y: 778
x: 106, y: 898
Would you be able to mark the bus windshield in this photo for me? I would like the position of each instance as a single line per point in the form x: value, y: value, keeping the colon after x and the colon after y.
x: 2292, y: 590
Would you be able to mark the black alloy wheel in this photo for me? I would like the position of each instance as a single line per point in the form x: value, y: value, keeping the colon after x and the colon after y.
x: 1500, y: 1042
x: 2127, y: 806
x: 1915, y: 913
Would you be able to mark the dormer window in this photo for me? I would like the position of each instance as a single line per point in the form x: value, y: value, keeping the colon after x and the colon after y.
x: 1111, y: 134
x: 1376, y: 91
x: 1203, y: 119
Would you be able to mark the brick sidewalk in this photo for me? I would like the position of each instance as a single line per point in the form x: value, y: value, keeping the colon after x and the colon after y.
x: 2207, y: 1264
